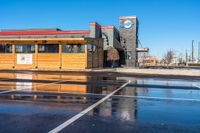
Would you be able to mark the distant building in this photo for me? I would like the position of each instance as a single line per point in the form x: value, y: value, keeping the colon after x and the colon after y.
x: 147, y: 61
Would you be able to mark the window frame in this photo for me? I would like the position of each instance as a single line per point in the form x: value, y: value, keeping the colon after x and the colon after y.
x: 46, y: 48
x: 5, y: 51
x: 80, y: 49
x: 26, y: 48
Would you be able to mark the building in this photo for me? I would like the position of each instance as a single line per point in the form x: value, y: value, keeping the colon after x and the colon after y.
x: 147, y: 60
x: 69, y: 49
x: 128, y: 27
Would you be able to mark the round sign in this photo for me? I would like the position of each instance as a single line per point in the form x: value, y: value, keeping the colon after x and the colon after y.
x: 127, y: 24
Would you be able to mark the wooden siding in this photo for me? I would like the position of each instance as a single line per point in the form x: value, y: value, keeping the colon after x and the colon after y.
x: 6, y: 60
x: 74, y: 60
x: 48, y: 60
x: 54, y: 60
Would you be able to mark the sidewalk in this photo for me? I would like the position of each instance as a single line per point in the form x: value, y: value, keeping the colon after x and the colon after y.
x: 134, y: 71
x: 170, y: 72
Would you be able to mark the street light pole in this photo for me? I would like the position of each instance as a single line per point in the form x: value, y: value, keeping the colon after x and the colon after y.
x: 192, y: 51
x: 199, y: 52
x: 186, y: 56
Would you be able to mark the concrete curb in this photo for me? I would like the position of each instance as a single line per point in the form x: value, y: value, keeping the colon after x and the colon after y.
x: 130, y: 71
x: 167, y: 72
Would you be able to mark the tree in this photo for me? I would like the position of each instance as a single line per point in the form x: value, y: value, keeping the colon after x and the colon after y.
x: 168, y: 57
x: 112, y: 55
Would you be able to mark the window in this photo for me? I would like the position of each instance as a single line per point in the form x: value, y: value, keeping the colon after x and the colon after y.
x: 5, y: 48
x: 90, y: 47
x: 73, y: 48
x: 48, y: 48
x: 25, y: 48
x: 94, y: 49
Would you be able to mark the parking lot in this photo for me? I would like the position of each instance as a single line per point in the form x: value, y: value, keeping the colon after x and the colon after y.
x: 97, y: 102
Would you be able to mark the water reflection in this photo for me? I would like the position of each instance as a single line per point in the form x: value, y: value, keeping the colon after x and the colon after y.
x: 140, y: 109
x: 54, y: 82
x: 54, y: 85
x: 54, y: 88
x: 7, y: 85
x: 123, y: 109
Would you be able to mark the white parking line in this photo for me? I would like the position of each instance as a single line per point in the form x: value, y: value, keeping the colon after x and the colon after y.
x: 43, y: 84
x: 158, y: 98
x: 79, y: 93
x: 2, y: 92
x: 7, y: 91
x: 82, y: 113
x: 120, y: 96
x: 195, y: 85
x: 168, y: 82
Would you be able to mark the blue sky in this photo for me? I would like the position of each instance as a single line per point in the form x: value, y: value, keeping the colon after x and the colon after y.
x: 164, y: 24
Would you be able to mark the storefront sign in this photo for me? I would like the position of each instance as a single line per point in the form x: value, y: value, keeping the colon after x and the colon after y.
x: 127, y: 24
x: 24, y: 58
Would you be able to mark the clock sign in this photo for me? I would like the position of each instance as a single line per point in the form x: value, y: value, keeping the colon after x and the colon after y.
x: 127, y: 24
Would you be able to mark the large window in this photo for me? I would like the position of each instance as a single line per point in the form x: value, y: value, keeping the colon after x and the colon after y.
x: 5, y: 48
x: 92, y: 48
x: 73, y: 48
x: 25, y: 48
x: 48, y: 48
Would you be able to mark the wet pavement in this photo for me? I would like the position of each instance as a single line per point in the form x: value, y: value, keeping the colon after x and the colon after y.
x: 41, y: 101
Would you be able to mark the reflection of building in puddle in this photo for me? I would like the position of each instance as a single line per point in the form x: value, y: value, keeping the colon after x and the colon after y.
x: 4, y: 84
x: 44, y: 85
x: 23, y: 85
x: 63, y: 83
x: 144, y: 91
x: 126, y: 107
x: 122, y: 108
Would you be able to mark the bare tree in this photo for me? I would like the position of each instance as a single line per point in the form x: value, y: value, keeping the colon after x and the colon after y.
x: 112, y: 55
x: 168, y: 57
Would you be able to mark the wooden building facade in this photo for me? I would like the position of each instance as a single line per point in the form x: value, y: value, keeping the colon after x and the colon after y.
x: 51, y: 53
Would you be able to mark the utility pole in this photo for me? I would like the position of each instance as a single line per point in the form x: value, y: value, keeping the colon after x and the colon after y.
x: 186, y: 56
x: 198, y: 51
x: 192, y: 51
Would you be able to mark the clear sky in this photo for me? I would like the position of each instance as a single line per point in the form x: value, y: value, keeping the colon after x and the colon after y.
x: 164, y: 24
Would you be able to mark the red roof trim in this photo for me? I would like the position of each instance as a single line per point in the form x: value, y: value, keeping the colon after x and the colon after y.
x: 107, y: 27
x: 95, y: 24
x: 127, y: 17
x: 38, y: 29
x: 44, y: 32
x: 103, y: 27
